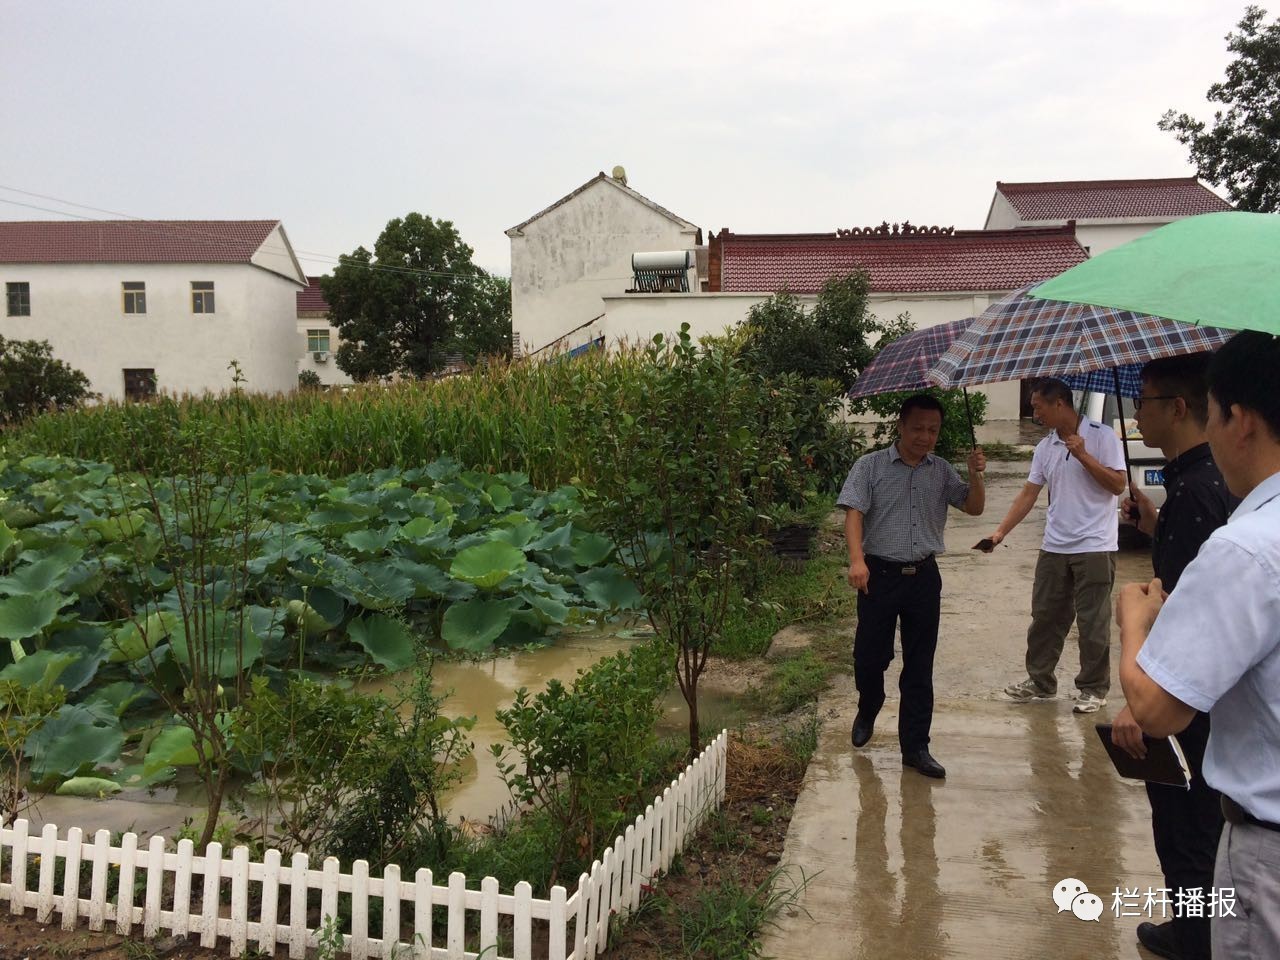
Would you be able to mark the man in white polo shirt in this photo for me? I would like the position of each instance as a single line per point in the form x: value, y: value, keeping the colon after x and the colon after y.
x: 1082, y: 464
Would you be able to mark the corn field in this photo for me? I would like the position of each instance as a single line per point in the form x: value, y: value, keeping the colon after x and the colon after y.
x: 499, y: 418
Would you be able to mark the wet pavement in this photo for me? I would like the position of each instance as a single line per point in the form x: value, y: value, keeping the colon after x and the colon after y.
x: 900, y: 866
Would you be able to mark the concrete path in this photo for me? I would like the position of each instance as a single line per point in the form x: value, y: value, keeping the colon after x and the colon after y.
x: 900, y: 866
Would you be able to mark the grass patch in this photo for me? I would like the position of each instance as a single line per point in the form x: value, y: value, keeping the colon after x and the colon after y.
x: 814, y: 592
x: 797, y: 681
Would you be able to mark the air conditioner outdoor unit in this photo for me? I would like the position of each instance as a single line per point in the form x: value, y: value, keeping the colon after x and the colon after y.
x: 320, y: 356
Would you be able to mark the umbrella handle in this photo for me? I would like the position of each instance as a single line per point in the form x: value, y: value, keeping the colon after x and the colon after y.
x: 1124, y: 433
x: 968, y: 414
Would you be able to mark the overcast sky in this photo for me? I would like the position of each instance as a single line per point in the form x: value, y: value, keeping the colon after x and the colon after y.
x: 763, y: 117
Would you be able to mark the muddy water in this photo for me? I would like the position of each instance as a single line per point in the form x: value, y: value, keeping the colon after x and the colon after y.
x: 475, y: 689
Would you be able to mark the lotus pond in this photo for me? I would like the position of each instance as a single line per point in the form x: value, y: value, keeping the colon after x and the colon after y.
x: 104, y: 578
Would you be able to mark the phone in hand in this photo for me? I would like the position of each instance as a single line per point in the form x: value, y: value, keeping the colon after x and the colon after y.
x: 986, y: 545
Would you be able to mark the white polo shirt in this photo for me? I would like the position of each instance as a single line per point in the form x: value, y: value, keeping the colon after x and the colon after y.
x: 1082, y: 514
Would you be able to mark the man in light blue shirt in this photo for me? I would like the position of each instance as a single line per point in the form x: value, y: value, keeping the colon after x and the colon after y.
x: 1214, y: 645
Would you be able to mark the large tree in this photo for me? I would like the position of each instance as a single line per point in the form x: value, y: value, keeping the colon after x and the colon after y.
x: 403, y: 307
x: 486, y: 332
x: 1241, y: 151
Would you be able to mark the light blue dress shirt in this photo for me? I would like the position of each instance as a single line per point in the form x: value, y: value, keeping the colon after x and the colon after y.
x: 1216, y: 647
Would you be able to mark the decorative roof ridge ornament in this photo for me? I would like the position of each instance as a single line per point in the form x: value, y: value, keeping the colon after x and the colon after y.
x: 904, y: 229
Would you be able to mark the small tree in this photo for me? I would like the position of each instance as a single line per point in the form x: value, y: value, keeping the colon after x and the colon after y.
x: 685, y: 460
x: 831, y: 341
x: 399, y: 309
x: 1241, y: 151
x: 32, y: 380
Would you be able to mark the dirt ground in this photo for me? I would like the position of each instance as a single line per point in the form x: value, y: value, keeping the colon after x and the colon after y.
x: 23, y: 937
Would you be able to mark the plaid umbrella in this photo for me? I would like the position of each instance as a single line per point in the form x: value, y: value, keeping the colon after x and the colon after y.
x: 1104, y: 381
x: 903, y: 363
x: 1021, y: 337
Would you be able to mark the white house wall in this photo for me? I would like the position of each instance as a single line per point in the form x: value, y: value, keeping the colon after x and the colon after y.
x: 566, y: 260
x: 1003, y: 215
x: 637, y: 317
x: 276, y: 255
x: 1100, y: 237
x: 79, y: 309
x: 327, y: 370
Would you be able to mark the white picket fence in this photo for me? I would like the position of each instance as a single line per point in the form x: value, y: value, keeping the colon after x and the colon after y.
x: 444, y: 923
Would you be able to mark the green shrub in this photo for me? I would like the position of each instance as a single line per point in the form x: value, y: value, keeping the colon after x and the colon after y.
x: 578, y: 754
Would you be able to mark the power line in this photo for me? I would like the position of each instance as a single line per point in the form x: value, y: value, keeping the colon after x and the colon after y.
x: 157, y: 228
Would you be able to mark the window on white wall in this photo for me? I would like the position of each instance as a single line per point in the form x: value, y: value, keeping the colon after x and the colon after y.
x: 202, y: 296
x: 318, y: 340
x: 18, y: 299
x: 135, y: 296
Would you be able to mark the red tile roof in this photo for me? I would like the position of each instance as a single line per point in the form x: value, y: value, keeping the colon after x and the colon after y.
x: 965, y: 260
x: 1108, y: 199
x: 311, y: 300
x: 132, y: 241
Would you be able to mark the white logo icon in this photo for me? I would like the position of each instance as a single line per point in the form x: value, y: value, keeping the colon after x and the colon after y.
x: 1087, y: 906
x: 1066, y: 891
x: 1071, y: 894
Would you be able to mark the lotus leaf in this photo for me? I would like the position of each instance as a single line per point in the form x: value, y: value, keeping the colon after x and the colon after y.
x: 518, y: 535
x: 561, y: 536
x: 301, y: 614
x: 8, y: 542
x: 592, y: 550
x: 173, y: 747
x: 88, y: 787
x: 83, y: 641
x: 608, y: 587
x: 133, y: 641
x: 474, y: 625
x: 25, y: 616
x: 499, y: 497
x: 371, y: 542
x: 40, y: 669
x: 122, y: 527
x: 224, y: 640
x: 387, y: 641
x: 553, y: 610
x: 78, y: 737
x: 487, y: 564
x: 120, y: 696
x: 37, y: 577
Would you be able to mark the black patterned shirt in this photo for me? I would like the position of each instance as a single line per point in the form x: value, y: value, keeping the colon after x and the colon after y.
x: 1197, y: 502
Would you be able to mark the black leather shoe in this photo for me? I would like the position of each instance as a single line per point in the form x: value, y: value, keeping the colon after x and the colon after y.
x: 921, y: 761
x: 863, y: 727
x: 1159, y: 939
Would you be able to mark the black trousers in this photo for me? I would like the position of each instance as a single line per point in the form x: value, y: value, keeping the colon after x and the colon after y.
x: 1187, y: 825
x: 914, y: 602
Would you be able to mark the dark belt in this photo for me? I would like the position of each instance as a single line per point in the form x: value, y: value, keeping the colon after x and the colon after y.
x: 905, y: 568
x: 1237, y: 815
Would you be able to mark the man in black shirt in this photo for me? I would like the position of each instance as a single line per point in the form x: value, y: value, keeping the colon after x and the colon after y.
x: 1171, y: 412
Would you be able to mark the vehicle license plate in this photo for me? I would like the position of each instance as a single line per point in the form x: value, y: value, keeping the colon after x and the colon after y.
x: 1154, y: 478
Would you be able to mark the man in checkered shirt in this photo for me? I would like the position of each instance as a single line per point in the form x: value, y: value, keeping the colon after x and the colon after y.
x: 895, y: 502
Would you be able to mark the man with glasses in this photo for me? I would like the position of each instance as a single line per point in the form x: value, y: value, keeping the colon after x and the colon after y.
x: 1082, y: 464
x: 1172, y: 412
x: 1214, y: 645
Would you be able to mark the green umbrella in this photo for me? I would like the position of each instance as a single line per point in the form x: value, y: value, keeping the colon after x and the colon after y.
x: 1217, y: 269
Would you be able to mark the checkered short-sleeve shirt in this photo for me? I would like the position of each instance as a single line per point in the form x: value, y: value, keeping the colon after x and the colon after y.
x: 904, y: 508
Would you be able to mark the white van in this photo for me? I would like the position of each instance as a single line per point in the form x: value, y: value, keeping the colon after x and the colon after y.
x: 1146, y: 464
